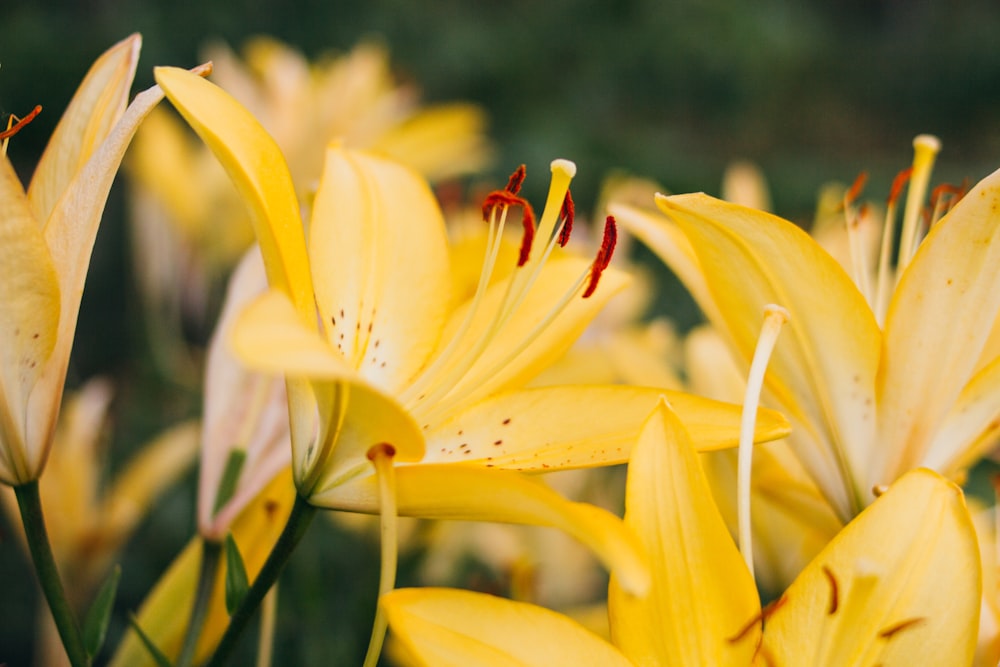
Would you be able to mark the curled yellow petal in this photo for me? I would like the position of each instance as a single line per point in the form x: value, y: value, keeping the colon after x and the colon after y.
x: 441, y: 627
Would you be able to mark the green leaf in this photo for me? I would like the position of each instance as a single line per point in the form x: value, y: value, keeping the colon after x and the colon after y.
x: 95, y: 626
x: 230, y: 475
x: 237, y: 583
x: 158, y: 657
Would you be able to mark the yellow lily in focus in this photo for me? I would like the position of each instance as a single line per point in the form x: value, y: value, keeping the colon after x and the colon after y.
x: 365, y: 313
x: 900, y: 586
x: 874, y: 386
x: 46, y: 236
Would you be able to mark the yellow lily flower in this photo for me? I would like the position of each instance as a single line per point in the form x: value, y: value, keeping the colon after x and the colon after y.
x: 898, y: 586
x: 364, y: 312
x: 867, y: 401
x: 46, y: 236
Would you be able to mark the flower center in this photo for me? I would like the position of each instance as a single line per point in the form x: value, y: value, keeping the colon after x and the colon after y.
x: 432, y: 393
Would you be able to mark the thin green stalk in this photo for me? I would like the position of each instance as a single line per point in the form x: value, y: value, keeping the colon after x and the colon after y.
x: 298, y: 522
x: 29, y: 502
x: 210, y: 553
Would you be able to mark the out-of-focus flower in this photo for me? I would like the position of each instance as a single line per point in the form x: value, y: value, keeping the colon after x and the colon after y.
x: 900, y: 585
x: 46, y: 237
x: 365, y: 311
x: 873, y: 385
x: 188, y: 220
x: 87, y: 524
x: 245, y: 439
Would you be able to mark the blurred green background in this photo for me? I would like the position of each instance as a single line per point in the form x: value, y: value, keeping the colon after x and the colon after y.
x: 811, y: 91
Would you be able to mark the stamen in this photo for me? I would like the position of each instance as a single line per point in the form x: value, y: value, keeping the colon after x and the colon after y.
x: 855, y: 190
x: 528, y: 222
x: 879, y: 489
x: 888, y: 236
x: 19, y: 125
x: 859, y: 265
x: 943, y: 199
x: 834, y: 591
x: 925, y: 150
x: 765, y: 613
x: 381, y: 456
x: 507, y: 198
x: 774, y: 317
x: 516, y: 179
x: 568, y: 213
x: 603, y: 258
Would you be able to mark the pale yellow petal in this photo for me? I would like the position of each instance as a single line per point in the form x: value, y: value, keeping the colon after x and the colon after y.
x: 29, y: 319
x: 900, y: 585
x: 443, y: 627
x: 579, y: 426
x: 473, y: 493
x: 822, y: 372
x: 258, y: 169
x: 702, y: 596
x: 379, y: 257
x: 938, y: 322
x: 971, y: 429
x: 95, y: 108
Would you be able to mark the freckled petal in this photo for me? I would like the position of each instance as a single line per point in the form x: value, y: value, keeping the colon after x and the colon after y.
x: 443, y: 627
x: 379, y: 259
x: 822, y: 372
x: 938, y: 322
x: 270, y: 337
x: 579, y: 426
x: 95, y: 108
x: 702, y: 594
x: 971, y: 428
x: 907, y: 586
x: 503, y: 364
x: 29, y: 317
x: 258, y: 169
x: 473, y: 493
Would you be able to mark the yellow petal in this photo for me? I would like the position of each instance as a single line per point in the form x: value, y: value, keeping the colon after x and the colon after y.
x: 258, y: 169
x: 504, y: 363
x: 29, y: 318
x: 164, y: 614
x: 441, y: 627
x: 95, y: 108
x: 702, y: 595
x: 379, y: 258
x: 579, y: 426
x: 900, y: 585
x: 472, y: 493
x: 938, y: 322
x: 822, y: 372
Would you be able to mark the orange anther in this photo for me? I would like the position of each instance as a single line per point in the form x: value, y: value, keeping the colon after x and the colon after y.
x: 568, y: 213
x: 603, y: 258
x: 14, y: 129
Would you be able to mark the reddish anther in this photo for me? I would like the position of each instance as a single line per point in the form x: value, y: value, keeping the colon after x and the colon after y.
x: 515, y: 180
x: 14, y: 129
x: 856, y: 188
x: 528, y: 222
x: 568, y: 214
x: 603, y: 258
x: 955, y: 192
x: 898, y: 183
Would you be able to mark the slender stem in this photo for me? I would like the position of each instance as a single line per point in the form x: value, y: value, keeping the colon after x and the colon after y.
x: 30, y: 504
x: 298, y: 521
x: 210, y: 554
x: 381, y: 456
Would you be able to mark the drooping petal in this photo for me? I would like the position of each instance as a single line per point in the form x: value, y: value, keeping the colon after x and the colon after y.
x: 822, y: 373
x: 443, y: 627
x: 702, y: 595
x: 472, y: 493
x: 938, y: 322
x: 258, y: 169
x: 900, y: 585
x: 971, y: 428
x: 379, y: 257
x: 518, y: 351
x: 95, y: 108
x: 29, y: 319
x: 549, y: 428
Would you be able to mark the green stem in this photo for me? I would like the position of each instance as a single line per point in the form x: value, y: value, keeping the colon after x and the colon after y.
x: 210, y: 553
x: 30, y: 504
x: 298, y: 522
